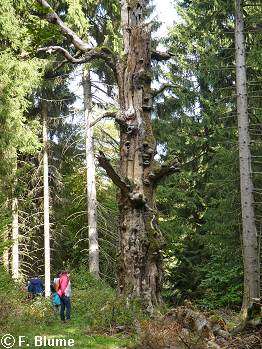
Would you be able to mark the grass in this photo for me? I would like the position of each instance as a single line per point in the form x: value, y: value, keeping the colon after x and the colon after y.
x: 70, y: 330
x: 96, y: 308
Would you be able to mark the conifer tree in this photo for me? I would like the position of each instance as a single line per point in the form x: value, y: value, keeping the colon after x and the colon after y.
x: 250, y: 237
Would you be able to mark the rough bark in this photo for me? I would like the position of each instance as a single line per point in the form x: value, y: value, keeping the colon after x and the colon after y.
x: 250, y: 238
x: 46, y: 201
x: 140, y: 260
x: 90, y: 178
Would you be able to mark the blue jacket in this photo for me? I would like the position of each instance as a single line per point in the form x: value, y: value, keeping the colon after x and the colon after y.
x: 35, y: 286
x: 56, y: 299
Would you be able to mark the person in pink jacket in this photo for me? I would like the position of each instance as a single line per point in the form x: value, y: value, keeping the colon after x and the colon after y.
x: 64, y: 292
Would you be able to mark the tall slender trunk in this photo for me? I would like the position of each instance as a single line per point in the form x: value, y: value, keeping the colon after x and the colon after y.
x: 46, y: 200
x: 15, y: 228
x: 5, y: 257
x: 250, y: 238
x: 90, y: 178
x: 15, y: 238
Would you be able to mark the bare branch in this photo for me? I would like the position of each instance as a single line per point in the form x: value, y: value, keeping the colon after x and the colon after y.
x: 106, y: 115
x: 161, y: 56
x: 115, y: 177
x: 116, y: 115
x: 89, y: 53
x: 65, y: 53
x: 165, y: 170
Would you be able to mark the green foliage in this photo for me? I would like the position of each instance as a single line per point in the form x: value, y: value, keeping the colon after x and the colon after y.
x: 18, y: 79
x: 83, y: 280
x: 76, y: 17
x: 40, y: 311
x: 94, y: 304
x: 201, y: 228
x: 222, y: 285
x: 20, y: 316
x: 20, y: 75
x: 98, y: 305
x: 71, y: 217
x: 11, y: 307
x: 7, y: 285
x: 200, y: 207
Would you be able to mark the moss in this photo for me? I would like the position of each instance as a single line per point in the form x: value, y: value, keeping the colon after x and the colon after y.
x: 231, y: 326
x: 155, y: 166
x: 215, y: 317
x: 105, y: 49
x: 132, y: 3
x: 153, y: 236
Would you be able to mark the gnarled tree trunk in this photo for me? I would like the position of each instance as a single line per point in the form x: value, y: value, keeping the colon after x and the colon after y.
x: 140, y: 262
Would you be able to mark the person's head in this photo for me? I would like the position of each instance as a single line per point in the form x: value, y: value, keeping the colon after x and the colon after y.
x: 58, y: 274
x: 65, y: 273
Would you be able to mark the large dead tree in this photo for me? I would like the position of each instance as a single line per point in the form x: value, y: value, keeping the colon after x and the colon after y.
x: 141, y: 242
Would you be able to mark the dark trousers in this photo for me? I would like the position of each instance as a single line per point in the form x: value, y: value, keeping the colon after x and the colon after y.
x: 65, y: 304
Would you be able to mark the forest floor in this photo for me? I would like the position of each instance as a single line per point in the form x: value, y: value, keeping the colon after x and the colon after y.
x: 177, y: 330
x: 69, y: 330
x: 101, y: 320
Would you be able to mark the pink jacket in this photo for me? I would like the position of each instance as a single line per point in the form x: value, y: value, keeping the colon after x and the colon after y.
x: 64, y: 286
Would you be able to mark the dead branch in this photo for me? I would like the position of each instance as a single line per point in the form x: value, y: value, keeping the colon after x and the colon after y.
x: 106, y: 115
x: 52, y: 17
x: 64, y: 52
x: 163, y: 88
x: 89, y: 53
x: 165, y: 170
x: 112, y: 174
x: 161, y: 56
